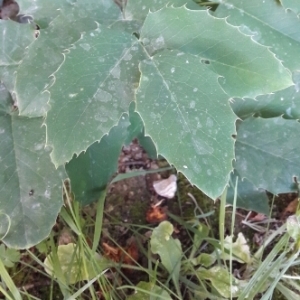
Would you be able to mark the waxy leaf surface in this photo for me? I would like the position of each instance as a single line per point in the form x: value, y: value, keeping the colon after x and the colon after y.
x: 284, y: 103
x: 139, y: 9
x: 249, y: 69
x: 269, y: 24
x: 92, y: 88
x: 187, y: 115
x: 14, y: 40
x: 97, y: 164
x: 267, y: 153
x: 31, y: 194
x: 293, y: 5
x: 248, y: 196
x: 44, y: 12
x: 60, y: 28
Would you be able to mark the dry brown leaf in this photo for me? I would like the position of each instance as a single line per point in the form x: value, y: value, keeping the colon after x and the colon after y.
x: 128, y: 255
x: 132, y: 253
x: 111, y: 252
x: 257, y: 217
x: 290, y: 209
x: 155, y: 215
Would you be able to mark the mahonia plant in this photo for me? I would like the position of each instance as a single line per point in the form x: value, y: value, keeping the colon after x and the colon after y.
x: 215, y: 92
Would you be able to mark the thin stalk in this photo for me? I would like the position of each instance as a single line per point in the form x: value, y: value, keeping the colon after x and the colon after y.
x: 9, y: 283
x: 99, y: 221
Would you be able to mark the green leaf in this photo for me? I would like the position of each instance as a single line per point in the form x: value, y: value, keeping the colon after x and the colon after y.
x: 30, y: 185
x: 284, y: 103
x: 139, y: 9
x: 149, y: 291
x: 137, y: 130
x: 269, y: 24
x: 249, y: 69
x: 72, y: 264
x: 292, y: 5
x: 240, y: 249
x: 14, y: 38
x: 167, y: 248
x: 293, y: 227
x: 89, y: 95
x: 97, y: 164
x: 187, y: 115
x: 227, y: 285
x: 267, y: 153
x: 9, y: 256
x: 46, y: 53
x: 248, y: 196
x: 44, y: 11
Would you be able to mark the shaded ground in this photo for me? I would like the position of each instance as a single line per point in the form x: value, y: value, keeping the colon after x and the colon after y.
x: 125, y: 224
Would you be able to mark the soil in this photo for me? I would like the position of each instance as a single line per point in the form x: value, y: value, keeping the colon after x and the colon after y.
x: 128, y: 202
x: 125, y: 221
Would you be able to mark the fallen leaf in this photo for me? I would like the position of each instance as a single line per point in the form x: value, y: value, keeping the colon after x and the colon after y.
x: 257, y: 217
x: 132, y: 252
x: 166, y: 187
x: 129, y: 255
x: 111, y: 252
x: 258, y: 239
x: 155, y: 214
x: 290, y: 209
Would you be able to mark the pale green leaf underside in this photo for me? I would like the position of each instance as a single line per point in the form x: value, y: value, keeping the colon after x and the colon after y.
x: 269, y: 24
x: 267, y: 153
x: 30, y: 186
x: 45, y: 54
x: 187, y: 115
x: 92, y: 88
x: 249, y: 69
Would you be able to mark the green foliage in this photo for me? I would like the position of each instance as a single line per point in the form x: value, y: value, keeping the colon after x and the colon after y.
x: 183, y: 67
x: 73, y: 265
x: 9, y: 256
x: 168, y: 249
x: 149, y: 291
x: 257, y: 276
